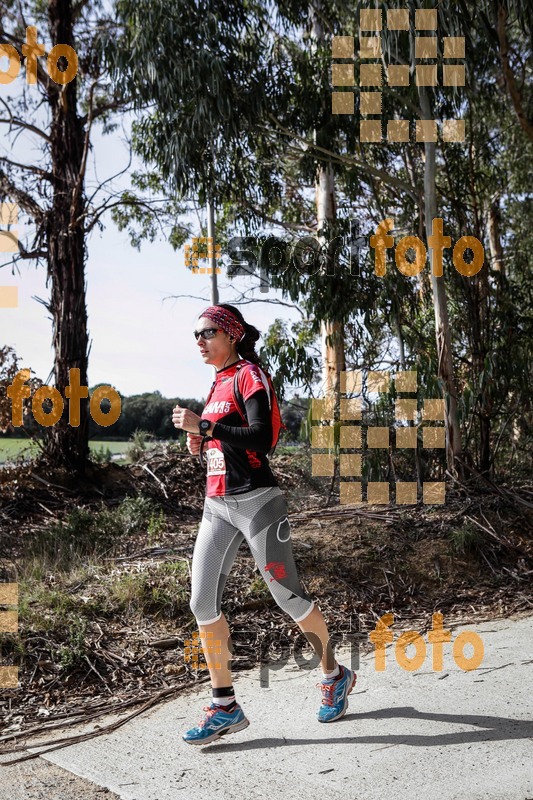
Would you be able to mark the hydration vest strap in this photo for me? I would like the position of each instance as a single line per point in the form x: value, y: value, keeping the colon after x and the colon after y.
x: 206, y: 437
x: 237, y: 393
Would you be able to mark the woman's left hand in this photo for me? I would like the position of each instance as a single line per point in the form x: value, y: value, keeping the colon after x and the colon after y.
x: 185, y: 419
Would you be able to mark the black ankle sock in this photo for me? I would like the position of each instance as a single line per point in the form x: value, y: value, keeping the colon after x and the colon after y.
x: 226, y: 693
x: 230, y: 707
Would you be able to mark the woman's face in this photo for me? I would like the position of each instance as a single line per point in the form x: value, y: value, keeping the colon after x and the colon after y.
x: 215, y: 351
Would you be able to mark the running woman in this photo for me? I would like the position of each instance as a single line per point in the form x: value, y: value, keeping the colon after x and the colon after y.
x: 244, y: 502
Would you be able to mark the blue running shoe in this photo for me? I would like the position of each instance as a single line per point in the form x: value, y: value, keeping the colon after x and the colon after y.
x: 217, y: 723
x: 335, y: 695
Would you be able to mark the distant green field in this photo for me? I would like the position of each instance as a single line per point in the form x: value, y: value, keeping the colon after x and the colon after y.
x: 11, y: 448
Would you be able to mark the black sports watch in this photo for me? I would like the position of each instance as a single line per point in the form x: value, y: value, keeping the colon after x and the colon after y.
x: 203, y: 426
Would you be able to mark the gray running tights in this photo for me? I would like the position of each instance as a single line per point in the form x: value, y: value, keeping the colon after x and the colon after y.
x: 260, y: 517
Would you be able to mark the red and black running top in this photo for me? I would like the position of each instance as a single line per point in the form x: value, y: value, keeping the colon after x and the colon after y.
x: 236, y: 452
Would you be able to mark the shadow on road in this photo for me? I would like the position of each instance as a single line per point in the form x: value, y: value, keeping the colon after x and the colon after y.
x: 493, y: 729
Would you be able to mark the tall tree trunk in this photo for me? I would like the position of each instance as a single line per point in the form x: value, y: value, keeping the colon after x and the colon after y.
x: 482, y: 347
x: 331, y: 330
x: 410, y: 423
x: 497, y: 264
x: 440, y: 304
x: 67, y: 445
x: 332, y: 355
x: 212, y: 262
x: 495, y: 240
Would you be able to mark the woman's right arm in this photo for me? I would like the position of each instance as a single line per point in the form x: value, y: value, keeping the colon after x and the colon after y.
x: 194, y: 441
x: 258, y: 435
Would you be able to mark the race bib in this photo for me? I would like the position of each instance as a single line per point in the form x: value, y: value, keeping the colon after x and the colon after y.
x: 216, y: 464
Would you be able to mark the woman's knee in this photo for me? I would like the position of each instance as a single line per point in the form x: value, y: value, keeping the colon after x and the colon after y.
x: 204, y: 611
x: 297, y: 606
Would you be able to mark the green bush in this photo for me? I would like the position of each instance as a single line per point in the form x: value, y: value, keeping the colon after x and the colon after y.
x: 152, y: 592
x: 71, y: 653
x: 88, y: 533
x: 136, y: 513
x: 102, y: 457
x: 467, y: 539
x: 138, y: 445
x: 156, y: 526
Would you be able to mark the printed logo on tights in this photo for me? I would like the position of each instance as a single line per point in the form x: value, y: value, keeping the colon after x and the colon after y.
x: 277, y: 569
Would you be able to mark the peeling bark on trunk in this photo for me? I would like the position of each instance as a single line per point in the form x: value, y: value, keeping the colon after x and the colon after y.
x: 332, y: 332
x: 440, y: 304
x: 67, y: 445
x: 332, y: 353
x: 494, y: 222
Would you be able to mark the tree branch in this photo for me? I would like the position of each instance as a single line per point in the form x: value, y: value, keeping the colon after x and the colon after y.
x: 37, y: 170
x: 239, y: 301
x: 97, y: 213
x: 289, y: 226
x: 25, y: 200
x: 24, y: 255
x: 101, y: 110
x: 112, y: 177
x: 21, y: 124
x: 81, y: 175
x: 377, y: 173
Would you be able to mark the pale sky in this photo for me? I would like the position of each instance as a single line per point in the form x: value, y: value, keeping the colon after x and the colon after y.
x: 140, y: 342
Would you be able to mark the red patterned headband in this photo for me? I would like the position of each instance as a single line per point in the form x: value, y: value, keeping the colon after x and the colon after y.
x: 226, y: 319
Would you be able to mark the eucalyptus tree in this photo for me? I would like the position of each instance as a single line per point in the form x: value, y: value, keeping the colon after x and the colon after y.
x: 420, y: 193
x: 212, y: 75
x: 198, y: 70
x: 50, y: 189
x: 240, y: 111
x: 48, y: 124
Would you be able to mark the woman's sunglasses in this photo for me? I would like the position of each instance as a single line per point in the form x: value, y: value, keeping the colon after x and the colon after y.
x: 207, y: 333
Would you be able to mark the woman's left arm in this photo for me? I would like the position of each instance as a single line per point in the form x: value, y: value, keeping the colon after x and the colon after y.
x: 258, y: 435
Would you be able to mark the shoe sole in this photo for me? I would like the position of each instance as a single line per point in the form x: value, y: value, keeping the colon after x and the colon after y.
x: 345, y: 707
x: 234, y: 728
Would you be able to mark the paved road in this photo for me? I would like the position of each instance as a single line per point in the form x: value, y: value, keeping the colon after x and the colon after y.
x: 446, y: 735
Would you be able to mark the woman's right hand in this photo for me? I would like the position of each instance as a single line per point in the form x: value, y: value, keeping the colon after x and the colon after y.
x: 193, y: 443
